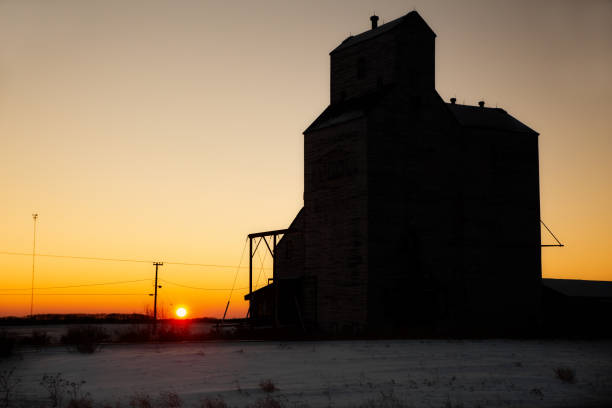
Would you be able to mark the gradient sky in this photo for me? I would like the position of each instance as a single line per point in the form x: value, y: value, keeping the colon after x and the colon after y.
x: 168, y: 130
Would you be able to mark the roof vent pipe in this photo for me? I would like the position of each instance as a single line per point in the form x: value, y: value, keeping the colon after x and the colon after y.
x: 374, y: 20
x: 481, y: 104
x: 453, y: 100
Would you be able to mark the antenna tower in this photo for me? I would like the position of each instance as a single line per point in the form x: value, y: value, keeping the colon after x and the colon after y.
x: 34, y: 217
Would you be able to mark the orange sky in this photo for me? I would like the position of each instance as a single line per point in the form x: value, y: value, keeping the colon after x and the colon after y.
x: 161, y: 130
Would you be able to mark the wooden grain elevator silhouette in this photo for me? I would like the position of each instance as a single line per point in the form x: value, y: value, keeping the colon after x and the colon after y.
x: 418, y: 214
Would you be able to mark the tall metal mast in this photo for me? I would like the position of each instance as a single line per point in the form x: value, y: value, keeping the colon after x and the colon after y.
x: 34, y: 217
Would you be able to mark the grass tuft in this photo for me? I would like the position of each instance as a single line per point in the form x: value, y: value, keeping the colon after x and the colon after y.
x: 7, y: 344
x: 267, y: 386
x: 140, y: 400
x: 85, y: 339
x: 8, y: 385
x: 174, y: 333
x: 169, y: 399
x: 56, y: 387
x: 80, y: 403
x: 218, y: 402
x: 134, y: 334
x: 38, y: 338
x: 267, y: 402
x: 566, y: 374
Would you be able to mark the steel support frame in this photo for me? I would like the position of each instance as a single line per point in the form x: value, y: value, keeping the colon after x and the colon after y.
x: 558, y: 244
x: 263, y: 236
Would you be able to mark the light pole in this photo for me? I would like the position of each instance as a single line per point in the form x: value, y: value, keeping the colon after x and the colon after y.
x: 34, y: 217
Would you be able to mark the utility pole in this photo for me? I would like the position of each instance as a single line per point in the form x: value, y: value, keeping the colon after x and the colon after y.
x: 34, y: 217
x: 157, y: 265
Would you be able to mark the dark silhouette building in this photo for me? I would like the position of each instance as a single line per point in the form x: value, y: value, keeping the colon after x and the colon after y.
x: 576, y: 308
x: 418, y: 214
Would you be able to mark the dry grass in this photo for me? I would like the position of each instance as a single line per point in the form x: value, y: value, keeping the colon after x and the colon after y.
x: 59, y: 389
x: 8, y: 385
x: 38, y: 338
x: 214, y: 403
x: 267, y: 386
x: 140, y: 400
x: 174, y: 333
x: 566, y: 374
x: 85, y: 339
x: 80, y: 403
x: 7, y: 344
x: 134, y: 334
x: 267, y: 402
x: 56, y: 387
x: 169, y: 399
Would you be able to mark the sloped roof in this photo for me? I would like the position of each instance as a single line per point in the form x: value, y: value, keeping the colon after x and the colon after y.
x: 259, y: 291
x: 580, y: 288
x: 488, y: 118
x: 413, y: 18
x: 347, y: 110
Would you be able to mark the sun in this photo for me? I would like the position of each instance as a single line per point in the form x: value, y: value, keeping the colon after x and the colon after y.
x: 181, y: 312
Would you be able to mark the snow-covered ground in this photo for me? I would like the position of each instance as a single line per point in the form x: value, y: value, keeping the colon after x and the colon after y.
x: 421, y: 373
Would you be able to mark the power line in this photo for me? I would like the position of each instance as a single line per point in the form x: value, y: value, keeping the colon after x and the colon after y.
x: 196, y: 287
x: 121, y: 282
x: 88, y: 258
x: 234, y: 283
x: 76, y: 294
x: 92, y: 258
x: 211, y: 265
x: 236, y: 276
x: 83, y: 285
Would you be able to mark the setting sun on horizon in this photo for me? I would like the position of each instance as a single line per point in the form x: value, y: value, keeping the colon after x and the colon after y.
x: 181, y: 312
x: 157, y: 132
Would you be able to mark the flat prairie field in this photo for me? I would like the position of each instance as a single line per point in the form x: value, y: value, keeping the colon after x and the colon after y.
x: 360, y: 373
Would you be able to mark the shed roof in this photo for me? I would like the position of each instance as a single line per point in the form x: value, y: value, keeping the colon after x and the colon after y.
x: 488, y: 118
x: 580, y: 288
x: 262, y: 291
x: 412, y: 18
